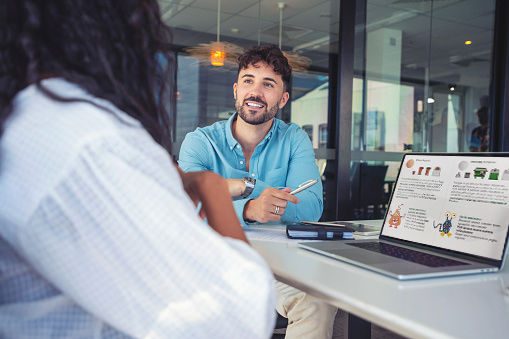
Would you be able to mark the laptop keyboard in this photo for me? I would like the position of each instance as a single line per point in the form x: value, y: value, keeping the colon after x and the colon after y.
x: 421, y: 258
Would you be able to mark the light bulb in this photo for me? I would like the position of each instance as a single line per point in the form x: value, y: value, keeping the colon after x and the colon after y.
x: 217, y: 54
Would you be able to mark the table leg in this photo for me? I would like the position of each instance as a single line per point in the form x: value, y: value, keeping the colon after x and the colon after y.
x: 358, y: 328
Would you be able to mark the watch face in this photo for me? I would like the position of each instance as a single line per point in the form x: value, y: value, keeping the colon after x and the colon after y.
x: 250, y: 184
x: 249, y: 181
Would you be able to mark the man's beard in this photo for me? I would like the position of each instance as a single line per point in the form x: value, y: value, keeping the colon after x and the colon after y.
x: 256, y: 119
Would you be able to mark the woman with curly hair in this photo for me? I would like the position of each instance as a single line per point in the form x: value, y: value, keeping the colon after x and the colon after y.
x: 99, y: 236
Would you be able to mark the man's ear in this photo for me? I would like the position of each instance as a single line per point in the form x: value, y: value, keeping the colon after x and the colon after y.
x: 235, y: 90
x: 284, y: 100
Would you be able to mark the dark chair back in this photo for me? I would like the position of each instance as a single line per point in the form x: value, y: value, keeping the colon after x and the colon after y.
x: 368, y: 188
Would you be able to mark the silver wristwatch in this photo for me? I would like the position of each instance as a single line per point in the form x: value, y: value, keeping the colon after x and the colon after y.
x: 250, y: 185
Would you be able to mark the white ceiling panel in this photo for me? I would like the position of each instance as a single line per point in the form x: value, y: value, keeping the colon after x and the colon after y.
x: 317, y: 18
x: 196, y: 19
x: 247, y: 27
x: 227, y: 6
x: 270, y: 10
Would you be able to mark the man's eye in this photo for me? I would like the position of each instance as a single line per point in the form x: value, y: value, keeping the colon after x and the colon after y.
x: 248, y: 81
x: 269, y: 84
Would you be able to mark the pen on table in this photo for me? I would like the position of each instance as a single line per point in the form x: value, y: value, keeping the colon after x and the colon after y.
x: 304, y: 185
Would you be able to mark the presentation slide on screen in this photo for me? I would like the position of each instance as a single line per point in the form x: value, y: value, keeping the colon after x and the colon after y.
x: 453, y: 202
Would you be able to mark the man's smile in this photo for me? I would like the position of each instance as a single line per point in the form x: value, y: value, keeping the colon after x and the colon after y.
x: 254, y: 104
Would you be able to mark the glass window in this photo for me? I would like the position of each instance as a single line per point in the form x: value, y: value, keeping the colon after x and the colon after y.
x: 427, y: 72
x: 422, y: 75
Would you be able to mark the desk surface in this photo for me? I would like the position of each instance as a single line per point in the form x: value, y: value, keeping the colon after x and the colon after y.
x: 470, y: 306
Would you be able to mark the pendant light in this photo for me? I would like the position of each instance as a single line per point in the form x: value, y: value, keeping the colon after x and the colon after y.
x: 224, y: 54
x: 217, y: 51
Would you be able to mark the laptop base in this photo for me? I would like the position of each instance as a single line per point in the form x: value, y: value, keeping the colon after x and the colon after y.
x: 391, y: 266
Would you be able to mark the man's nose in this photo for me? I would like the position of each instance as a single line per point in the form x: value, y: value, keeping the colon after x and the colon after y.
x: 256, y: 91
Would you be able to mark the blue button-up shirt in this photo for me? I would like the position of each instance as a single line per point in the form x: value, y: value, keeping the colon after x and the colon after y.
x: 284, y: 158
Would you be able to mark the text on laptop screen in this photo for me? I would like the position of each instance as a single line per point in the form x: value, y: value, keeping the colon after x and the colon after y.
x: 458, y: 203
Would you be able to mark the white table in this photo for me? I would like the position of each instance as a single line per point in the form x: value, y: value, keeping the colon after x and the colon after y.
x: 473, y: 306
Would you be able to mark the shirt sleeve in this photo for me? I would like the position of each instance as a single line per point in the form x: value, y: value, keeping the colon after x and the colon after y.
x: 193, y: 154
x: 119, y: 236
x: 303, y: 167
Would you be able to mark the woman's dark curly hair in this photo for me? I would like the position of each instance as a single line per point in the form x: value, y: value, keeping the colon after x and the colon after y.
x: 117, y: 50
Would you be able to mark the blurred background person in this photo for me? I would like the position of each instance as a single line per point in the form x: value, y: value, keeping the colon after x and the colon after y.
x: 479, y: 139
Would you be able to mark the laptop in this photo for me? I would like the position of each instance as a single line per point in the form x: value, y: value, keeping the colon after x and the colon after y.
x: 448, y: 215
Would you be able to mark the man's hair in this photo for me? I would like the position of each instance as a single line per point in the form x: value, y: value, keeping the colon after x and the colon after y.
x: 272, y: 56
x: 115, y: 50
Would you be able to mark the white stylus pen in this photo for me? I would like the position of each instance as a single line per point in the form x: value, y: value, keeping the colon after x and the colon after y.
x: 304, y: 185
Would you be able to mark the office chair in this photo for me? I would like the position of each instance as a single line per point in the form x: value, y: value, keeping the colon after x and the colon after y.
x: 368, y: 190
x: 280, y: 328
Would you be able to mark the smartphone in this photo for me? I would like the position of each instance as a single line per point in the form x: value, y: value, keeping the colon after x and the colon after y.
x: 304, y: 185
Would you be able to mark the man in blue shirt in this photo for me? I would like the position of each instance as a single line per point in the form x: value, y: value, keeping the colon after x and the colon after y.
x: 258, y: 153
x: 263, y: 159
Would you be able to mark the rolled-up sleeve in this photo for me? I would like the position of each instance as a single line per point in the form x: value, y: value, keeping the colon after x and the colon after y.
x: 119, y: 236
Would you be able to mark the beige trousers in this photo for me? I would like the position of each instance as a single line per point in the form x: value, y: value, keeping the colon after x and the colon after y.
x: 308, y: 317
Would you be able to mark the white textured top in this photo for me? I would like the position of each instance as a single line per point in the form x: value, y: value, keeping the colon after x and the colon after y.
x: 99, y: 240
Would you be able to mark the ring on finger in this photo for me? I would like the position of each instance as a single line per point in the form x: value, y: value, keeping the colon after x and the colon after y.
x: 276, y: 210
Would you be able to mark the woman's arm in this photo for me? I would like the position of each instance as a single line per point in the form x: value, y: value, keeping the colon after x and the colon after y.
x: 213, y: 192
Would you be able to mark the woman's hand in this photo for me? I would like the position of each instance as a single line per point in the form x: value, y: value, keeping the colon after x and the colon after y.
x: 191, y: 183
x: 212, y: 191
x: 236, y: 187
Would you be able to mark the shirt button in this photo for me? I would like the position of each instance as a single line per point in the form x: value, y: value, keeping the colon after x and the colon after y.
x: 252, y: 174
x: 241, y: 162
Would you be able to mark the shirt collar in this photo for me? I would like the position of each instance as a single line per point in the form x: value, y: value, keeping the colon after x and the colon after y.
x: 232, y: 142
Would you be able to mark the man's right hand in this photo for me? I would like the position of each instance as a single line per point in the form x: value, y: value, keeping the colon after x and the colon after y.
x: 263, y: 209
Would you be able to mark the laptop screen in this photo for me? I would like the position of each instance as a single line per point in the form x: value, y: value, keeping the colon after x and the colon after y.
x: 454, y: 202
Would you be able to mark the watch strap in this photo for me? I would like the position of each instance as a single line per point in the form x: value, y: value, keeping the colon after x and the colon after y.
x: 250, y: 185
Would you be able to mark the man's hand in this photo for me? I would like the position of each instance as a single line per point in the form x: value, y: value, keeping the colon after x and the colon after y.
x: 269, y: 206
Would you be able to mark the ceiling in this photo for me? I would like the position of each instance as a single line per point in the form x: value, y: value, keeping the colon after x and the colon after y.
x: 309, y: 26
x: 304, y: 20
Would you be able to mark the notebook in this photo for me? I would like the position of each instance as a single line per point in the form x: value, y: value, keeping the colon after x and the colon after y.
x: 355, y: 227
x: 317, y: 232
x: 448, y: 215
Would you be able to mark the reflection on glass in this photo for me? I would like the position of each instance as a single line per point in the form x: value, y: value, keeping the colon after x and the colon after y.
x: 309, y: 131
x: 479, y: 138
x: 322, y: 136
x: 418, y: 85
x: 388, y: 121
x: 310, y: 111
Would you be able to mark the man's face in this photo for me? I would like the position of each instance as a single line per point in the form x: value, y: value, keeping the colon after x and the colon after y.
x: 259, y: 93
